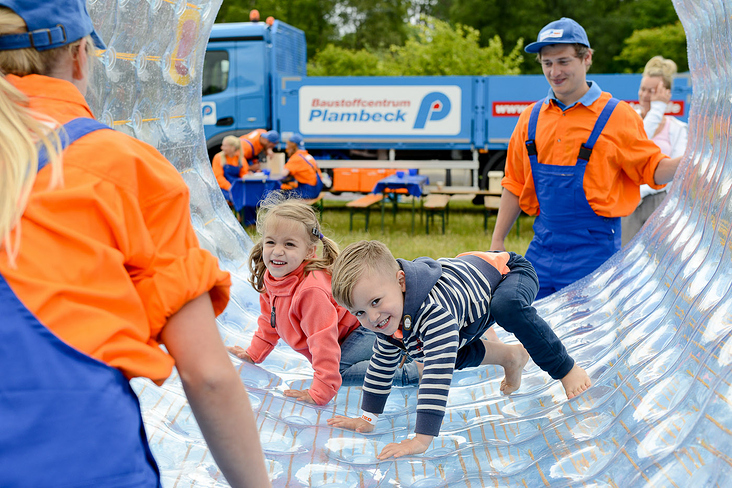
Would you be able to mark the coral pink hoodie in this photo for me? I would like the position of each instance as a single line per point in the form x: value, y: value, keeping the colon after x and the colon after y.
x: 309, y: 321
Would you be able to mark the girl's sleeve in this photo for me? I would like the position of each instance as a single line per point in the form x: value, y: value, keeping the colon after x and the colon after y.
x: 319, y: 321
x: 266, y: 337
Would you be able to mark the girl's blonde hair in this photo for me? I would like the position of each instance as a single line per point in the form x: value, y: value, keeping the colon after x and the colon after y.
x: 278, y: 206
x: 23, y: 132
x: 662, y: 68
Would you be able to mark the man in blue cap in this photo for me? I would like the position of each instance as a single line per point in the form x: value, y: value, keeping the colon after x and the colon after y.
x: 576, y: 159
x: 256, y: 142
x: 301, y: 173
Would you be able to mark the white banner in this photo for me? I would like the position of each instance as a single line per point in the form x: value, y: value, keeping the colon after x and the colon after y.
x: 381, y: 110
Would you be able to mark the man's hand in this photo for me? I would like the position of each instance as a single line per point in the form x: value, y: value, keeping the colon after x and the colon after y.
x: 416, y: 445
x: 357, y: 424
x: 241, y: 353
x: 300, y: 395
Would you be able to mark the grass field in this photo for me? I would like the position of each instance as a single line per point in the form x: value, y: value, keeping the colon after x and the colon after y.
x: 464, y: 230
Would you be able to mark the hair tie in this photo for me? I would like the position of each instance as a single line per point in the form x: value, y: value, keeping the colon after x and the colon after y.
x: 321, y: 237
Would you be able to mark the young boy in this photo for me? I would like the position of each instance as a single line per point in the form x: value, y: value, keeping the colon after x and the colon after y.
x: 437, y: 312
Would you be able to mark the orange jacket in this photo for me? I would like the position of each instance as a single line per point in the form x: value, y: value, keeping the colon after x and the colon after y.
x: 300, y: 170
x: 251, y: 146
x: 218, y: 168
x: 309, y: 321
x: 106, y: 259
x: 623, y: 157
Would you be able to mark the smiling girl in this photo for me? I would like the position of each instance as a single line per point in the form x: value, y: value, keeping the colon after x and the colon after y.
x: 297, y: 304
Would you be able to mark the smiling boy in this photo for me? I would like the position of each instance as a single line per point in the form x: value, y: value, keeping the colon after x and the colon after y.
x: 437, y: 311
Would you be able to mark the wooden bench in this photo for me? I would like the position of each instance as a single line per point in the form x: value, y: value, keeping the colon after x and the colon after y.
x: 363, y: 203
x: 436, y: 204
x: 318, y: 203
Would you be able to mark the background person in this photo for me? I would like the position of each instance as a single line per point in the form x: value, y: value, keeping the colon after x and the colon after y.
x: 256, y: 142
x: 301, y: 174
x: 669, y: 133
x: 229, y: 165
x: 99, y: 264
x: 576, y: 161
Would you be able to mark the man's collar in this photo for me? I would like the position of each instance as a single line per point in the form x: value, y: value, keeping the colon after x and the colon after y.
x: 590, y: 97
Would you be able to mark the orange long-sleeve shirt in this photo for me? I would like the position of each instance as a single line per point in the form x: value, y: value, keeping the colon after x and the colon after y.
x: 300, y: 170
x: 218, y: 168
x: 108, y: 257
x: 623, y: 157
x: 251, y: 146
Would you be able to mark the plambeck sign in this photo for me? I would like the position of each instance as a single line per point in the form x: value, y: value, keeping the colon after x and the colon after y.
x: 381, y: 109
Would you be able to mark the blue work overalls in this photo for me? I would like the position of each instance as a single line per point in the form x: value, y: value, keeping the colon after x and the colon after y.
x: 570, y: 239
x: 231, y: 173
x: 309, y: 191
x: 66, y: 419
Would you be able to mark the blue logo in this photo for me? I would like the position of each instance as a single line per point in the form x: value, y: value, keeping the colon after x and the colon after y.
x: 207, y: 110
x: 435, y: 106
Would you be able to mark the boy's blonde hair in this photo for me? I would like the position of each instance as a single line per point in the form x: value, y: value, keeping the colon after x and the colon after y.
x: 660, y: 67
x: 357, y: 260
x: 23, y: 131
x: 279, y: 206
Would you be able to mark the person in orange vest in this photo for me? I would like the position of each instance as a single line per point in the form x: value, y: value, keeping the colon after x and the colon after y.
x: 301, y: 173
x: 257, y: 141
x: 99, y: 266
x: 229, y: 164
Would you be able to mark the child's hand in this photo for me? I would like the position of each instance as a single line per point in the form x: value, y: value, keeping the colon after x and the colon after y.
x: 300, y: 395
x: 416, y: 445
x: 358, y: 424
x: 241, y: 353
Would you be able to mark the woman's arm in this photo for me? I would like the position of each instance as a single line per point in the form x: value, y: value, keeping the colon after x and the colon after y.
x: 216, y: 394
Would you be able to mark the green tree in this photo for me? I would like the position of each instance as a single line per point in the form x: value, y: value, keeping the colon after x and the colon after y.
x: 434, y: 48
x: 369, y: 24
x: 311, y: 16
x: 669, y: 41
x: 440, y: 49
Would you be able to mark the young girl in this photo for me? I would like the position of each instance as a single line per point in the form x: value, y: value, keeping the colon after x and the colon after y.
x: 297, y: 303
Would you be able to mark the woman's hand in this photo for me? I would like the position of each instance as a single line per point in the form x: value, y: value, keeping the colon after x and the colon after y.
x: 661, y: 93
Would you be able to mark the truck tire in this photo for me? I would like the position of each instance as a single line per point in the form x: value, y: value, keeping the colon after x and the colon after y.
x: 497, y: 162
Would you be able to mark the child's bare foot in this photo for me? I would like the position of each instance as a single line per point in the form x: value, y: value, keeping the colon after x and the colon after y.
x: 514, y: 368
x: 576, y: 381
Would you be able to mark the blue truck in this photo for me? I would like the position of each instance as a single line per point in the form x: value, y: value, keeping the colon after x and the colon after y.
x: 254, y: 76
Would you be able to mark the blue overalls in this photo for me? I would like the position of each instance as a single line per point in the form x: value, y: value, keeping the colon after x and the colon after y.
x: 570, y: 239
x: 66, y: 419
x: 231, y: 173
x: 309, y: 191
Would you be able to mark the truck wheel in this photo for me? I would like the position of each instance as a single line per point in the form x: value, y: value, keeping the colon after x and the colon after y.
x: 497, y: 162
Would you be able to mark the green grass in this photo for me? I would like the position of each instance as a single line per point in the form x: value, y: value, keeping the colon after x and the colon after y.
x: 463, y: 232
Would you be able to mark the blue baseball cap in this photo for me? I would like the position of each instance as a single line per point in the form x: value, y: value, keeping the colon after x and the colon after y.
x: 562, y: 31
x: 51, y: 24
x: 297, y: 140
x: 272, y: 136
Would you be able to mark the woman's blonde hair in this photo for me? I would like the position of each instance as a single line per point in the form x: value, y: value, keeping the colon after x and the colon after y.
x: 236, y: 142
x: 658, y: 66
x: 23, y: 131
x: 279, y: 207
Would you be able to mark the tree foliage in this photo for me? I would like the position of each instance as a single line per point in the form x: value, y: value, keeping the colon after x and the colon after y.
x: 669, y: 41
x: 433, y: 48
x: 373, y: 35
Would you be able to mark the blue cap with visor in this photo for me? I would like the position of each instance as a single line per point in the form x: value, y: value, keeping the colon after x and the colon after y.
x: 51, y: 24
x: 298, y: 140
x: 562, y: 31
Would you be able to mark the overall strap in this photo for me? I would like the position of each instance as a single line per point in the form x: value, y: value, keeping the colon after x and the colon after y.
x: 252, y: 146
x: 586, y: 149
x: 69, y: 133
x: 530, y: 144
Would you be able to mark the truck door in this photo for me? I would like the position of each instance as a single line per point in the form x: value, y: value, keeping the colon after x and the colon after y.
x: 219, y: 107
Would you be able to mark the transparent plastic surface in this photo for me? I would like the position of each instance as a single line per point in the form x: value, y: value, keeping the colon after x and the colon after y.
x: 652, y: 326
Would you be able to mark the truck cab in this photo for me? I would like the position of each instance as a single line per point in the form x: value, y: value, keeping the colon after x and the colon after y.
x: 241, y: 62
